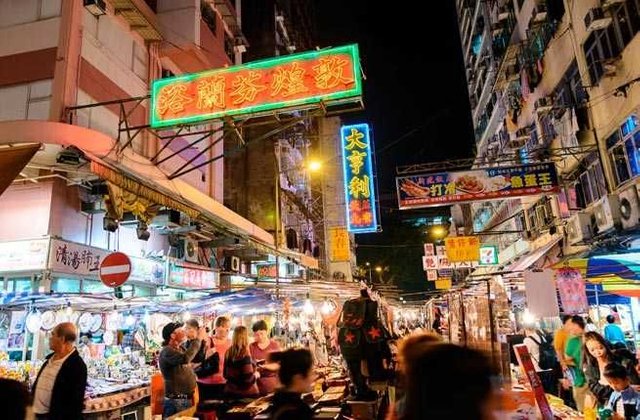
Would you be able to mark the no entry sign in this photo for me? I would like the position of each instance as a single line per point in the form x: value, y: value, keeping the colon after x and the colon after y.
x: 115, y: 269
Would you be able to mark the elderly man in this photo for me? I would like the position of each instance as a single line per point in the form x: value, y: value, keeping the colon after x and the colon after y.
x: 179, y: 378
x: 58, y: 393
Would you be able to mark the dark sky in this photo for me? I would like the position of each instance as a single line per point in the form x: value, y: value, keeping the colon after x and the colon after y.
x: 415, y: 93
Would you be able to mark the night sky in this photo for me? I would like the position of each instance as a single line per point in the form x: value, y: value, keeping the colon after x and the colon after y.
x: 415, y: 92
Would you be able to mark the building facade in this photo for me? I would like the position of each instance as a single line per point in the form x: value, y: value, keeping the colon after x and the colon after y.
x: 75, y: 79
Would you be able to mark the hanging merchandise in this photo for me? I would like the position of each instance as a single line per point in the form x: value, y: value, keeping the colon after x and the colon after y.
x: 34, y: 321
x: 48, y: 320
x: 571, y: 287
x: 84, y: 322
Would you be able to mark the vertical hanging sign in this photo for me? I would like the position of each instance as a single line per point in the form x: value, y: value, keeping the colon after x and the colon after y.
x: 358, y: 178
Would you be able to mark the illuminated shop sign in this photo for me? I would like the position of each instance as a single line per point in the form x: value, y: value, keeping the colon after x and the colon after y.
x: 447, y: 188
x: 358, y: 178
x: 290, y: 81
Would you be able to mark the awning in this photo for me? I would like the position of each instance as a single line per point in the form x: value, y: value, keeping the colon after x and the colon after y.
x: 12, y: 161
x: 135, y: 170
x: 526, y: 261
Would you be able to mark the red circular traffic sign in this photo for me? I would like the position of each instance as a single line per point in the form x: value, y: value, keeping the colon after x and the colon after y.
x: 115, y: 269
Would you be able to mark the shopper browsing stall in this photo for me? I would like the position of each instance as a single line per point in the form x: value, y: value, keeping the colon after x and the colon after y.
x: 211, y: 386
x: 624, y: 401
x: 179, y: 379
x: 260, y: 349
x: 58, y: 392
x: 192, y: 332
x: 598, y: 355
x: 296, y: 377
x: 543, y: 358
x: 613, y: 333
x: 239, y: 369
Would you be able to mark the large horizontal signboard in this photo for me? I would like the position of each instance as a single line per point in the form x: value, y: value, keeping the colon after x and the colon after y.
x: 359, y: 187
x: 288, y: 81
x: 445, y: 188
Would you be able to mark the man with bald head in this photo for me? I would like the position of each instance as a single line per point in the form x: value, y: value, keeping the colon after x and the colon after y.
x: 58, y: 393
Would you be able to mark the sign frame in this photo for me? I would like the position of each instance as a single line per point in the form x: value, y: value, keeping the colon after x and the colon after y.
x: 349, y: 140
x: 446, y: 188
x: 266, y: 66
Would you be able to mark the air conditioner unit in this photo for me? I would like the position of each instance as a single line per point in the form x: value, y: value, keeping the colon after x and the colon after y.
x: 595, y: 19
x: 610, y: 66
x: 544, y: 104
x: 235, y: 264
x: 607, y: 213
x: 578, y: 228
x: 190, y: 250
x: 166, y: 219
x: 629, y: 208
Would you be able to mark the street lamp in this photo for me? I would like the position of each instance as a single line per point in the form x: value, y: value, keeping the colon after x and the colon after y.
x: 368, y: 264
x: 379, y: 271
x: 312, y: 166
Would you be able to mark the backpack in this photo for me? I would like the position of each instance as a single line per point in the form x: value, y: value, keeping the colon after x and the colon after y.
x: 548, y: 357
x: 353, y: 313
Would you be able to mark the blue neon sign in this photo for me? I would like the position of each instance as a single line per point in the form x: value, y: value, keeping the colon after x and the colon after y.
x: 359, y: 185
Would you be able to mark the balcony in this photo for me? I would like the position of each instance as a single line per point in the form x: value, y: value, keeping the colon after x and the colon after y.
x: 140, y: 17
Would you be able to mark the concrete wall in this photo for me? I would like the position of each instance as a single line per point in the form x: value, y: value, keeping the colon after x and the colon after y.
x: 25, y: 101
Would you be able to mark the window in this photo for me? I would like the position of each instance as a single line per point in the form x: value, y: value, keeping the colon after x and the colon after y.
x: 18, y: 285
x: 93, y: 286
x: 623, y: 147
x: 600, y: 46
x: 61, y: 285
x: 569, y: 91
x: 626, y: 20
x: 589, y: 185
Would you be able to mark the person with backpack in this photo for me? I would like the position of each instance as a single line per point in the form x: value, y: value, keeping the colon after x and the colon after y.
x: 543, y: 356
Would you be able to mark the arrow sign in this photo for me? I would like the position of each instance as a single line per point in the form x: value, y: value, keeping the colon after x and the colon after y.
x: 115, y: 269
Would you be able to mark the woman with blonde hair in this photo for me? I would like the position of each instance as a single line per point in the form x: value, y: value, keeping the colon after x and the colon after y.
x: 239, y: 369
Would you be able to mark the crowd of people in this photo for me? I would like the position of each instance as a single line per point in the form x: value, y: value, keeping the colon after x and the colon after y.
x: 586, y: 368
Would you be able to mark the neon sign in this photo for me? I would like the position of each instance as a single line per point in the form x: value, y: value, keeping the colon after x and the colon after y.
x: 284, y: 82
x: 358, y: 178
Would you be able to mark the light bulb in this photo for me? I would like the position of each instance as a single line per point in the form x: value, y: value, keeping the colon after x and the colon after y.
x: 326, y: 308
x: 308, y: 307
x: 130, y: 320
x: 68, y: 311
x: 186, y: 316
x: 528, y: 318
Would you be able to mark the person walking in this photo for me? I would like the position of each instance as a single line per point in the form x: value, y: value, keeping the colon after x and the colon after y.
x: 543, y: 357
x: 58, y: 392
x: 179, y: 378
x: 296, y: 376
x: 260, y: 349
x: 573, y: 360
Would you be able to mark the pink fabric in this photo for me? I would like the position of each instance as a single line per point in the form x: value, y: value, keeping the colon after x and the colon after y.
x: 221, y: 347
x: 268, y: 381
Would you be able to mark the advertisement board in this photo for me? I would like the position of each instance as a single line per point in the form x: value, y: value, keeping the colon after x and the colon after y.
x: 288, y: 81
x: 359, y: 180
x: 445, y: 188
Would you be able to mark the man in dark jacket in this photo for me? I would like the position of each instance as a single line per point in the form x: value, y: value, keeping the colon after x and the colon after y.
x: 58, y: 393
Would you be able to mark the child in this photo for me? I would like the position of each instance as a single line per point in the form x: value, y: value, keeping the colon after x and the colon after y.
x: 624, y: 402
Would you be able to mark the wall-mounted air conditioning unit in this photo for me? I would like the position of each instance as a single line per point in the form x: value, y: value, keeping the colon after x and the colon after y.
x: 544, y: 104
x: 190, y: 250
x: 521, y: 138
x: 629, y: 208
x: 607, y: 213
x: 595, y: 19
x: 578, y: 228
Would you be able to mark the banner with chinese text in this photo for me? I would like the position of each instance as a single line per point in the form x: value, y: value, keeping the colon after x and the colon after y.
x: 339, y: 243
x: 463, y: 248
x: 267, y: 271
x: 446, y: 188
x: 327, y: 75
x: 359, y: 186
x: 191, y: 276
